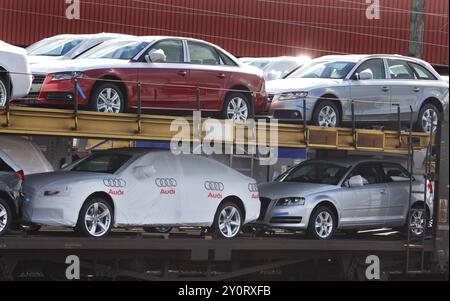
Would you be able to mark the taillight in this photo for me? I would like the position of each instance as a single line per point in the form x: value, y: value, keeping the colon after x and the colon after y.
x: 21, y: 175
x: 430, y: 187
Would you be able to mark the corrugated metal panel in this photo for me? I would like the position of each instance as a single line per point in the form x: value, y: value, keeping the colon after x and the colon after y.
x: 245, y: 28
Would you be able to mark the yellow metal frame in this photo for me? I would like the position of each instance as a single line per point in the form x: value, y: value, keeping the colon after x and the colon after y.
x: 52, y: 122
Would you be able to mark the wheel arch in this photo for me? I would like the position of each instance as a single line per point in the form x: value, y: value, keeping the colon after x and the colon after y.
x: 434, y: 101
x: 236, y: 200
x: 106, y: 197
x: 241, y: 89
x: 331, y: 97
x: 329, y: 204
x: 114, y: 79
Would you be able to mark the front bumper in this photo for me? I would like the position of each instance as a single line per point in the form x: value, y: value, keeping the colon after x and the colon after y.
x: 49, y: 211
x: 291, y: 110
x: 282, y: 217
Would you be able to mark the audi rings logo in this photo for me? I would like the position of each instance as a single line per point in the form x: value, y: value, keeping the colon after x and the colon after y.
x: 166, y: 182
x: 216, y: 186
x: 253, y: 187
x: 115, y: 183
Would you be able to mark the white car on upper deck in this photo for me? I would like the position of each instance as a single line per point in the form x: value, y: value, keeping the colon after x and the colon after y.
x: 14, y: 69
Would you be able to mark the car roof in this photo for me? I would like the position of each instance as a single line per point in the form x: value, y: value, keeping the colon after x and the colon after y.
x: 131, y: 151
x: 358, y: 57
x: 348, y: 162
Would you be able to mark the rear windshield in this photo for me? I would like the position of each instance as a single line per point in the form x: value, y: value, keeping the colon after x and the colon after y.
x: 102, y: 163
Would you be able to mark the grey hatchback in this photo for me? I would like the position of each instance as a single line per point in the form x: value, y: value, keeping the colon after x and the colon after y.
x: 351, y: 194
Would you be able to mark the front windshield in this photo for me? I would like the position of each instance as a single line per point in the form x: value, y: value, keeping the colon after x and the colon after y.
x: 317, y: 173
x: 324, y: 69
x: 102, y: 163
x: 54, y: 47
x: 258, y: 64
x: 116, y: 49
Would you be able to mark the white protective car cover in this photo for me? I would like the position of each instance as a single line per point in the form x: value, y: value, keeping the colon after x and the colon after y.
x: 14, y: 60
x: 156, y: 189
x: 26, y: 154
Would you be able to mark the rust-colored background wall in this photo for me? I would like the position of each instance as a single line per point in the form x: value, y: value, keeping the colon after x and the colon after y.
x: 244, y: 27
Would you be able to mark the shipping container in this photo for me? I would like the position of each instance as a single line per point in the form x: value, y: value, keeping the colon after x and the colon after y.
x: 243, y: 27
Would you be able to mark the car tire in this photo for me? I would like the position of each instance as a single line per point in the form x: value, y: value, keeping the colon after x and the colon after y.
x: 227, y: 221
x: 162, y: 230
x: 107, y: 98
x: 3, y: 92
x: 427, y: 112
x: 96, y: 218
x: 234, y: 102
x: 327, y: 218
x: 32, y: 229
x: 413, y: 218
x: 5, y: 217
x: 326, y: 114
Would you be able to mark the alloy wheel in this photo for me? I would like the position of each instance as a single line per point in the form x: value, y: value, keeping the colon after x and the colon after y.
x: 417, y: 222
x: 2, y: 94
x: 429, y: 118
x: 327, y: 117
x: 109, y: 101
x: 229, y: 222
x: 97, y: 219
x: 237, y: 109
x: 324, y: 224
x: 3, y: 217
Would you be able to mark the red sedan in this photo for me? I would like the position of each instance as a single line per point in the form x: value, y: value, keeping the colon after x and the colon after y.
x: 169, y: 70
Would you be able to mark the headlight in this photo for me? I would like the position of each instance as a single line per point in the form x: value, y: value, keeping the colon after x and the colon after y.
x: 67, y: 75
x: 292, y: 96
x: 291, y: 202
x: 57, y: 191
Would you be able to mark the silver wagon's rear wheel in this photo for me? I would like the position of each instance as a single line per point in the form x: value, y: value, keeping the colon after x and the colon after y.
x: 3, y: 95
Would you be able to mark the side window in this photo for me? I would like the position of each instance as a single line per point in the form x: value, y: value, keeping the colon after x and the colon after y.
x: 226, y: 60
x: 108, y: 163
x: 422, y: 72
x: 368, y: 172
x: 203, y: 54
x: 394, y: 172
x: 400, y: 70
x: 374, y: 65
x: 173, y: 49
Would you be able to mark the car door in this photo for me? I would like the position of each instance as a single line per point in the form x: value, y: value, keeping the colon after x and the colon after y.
x: 209, y: 73
x: 165, y: 84
x: 372, y: 96
x: 153, y: 190
x: 367, y: 205
x: 404, y: 87
x: 397, y: 180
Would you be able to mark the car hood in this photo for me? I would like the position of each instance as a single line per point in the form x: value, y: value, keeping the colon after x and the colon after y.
x: 37, y: 181
x: 276, y: 190
x: 41, y: 59
x: 78, y: 65
x: 299, y: 84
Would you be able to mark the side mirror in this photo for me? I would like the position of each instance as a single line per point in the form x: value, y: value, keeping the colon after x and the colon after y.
x: 157, y: 56
x: 144, y: 172
x: 356, y: 181
x: 64, y: 165
x: 365, y: 75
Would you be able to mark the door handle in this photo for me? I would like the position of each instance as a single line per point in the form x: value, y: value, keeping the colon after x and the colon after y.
x: 182, y: 73
x: 416, y: 89
x: 383, y: 191
x: 385, y: 89
x: 221, y: 75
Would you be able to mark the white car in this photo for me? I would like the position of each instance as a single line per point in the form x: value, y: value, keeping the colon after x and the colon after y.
x: 277, y: 67
x: 142, y: 187
x: 66, y: 46
x: 13, y: 61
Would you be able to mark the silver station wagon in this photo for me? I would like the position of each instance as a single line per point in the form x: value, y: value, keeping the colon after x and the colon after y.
x: 348, y: 194
x: 377, y: 83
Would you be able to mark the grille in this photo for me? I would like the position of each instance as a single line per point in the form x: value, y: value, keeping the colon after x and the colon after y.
x: 286, y: 220
x: 38, y: 79
x: 288, y: 114
x: 264, y: 206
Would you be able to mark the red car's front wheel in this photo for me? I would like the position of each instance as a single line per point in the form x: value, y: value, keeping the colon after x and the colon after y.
x: 107, y: 98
